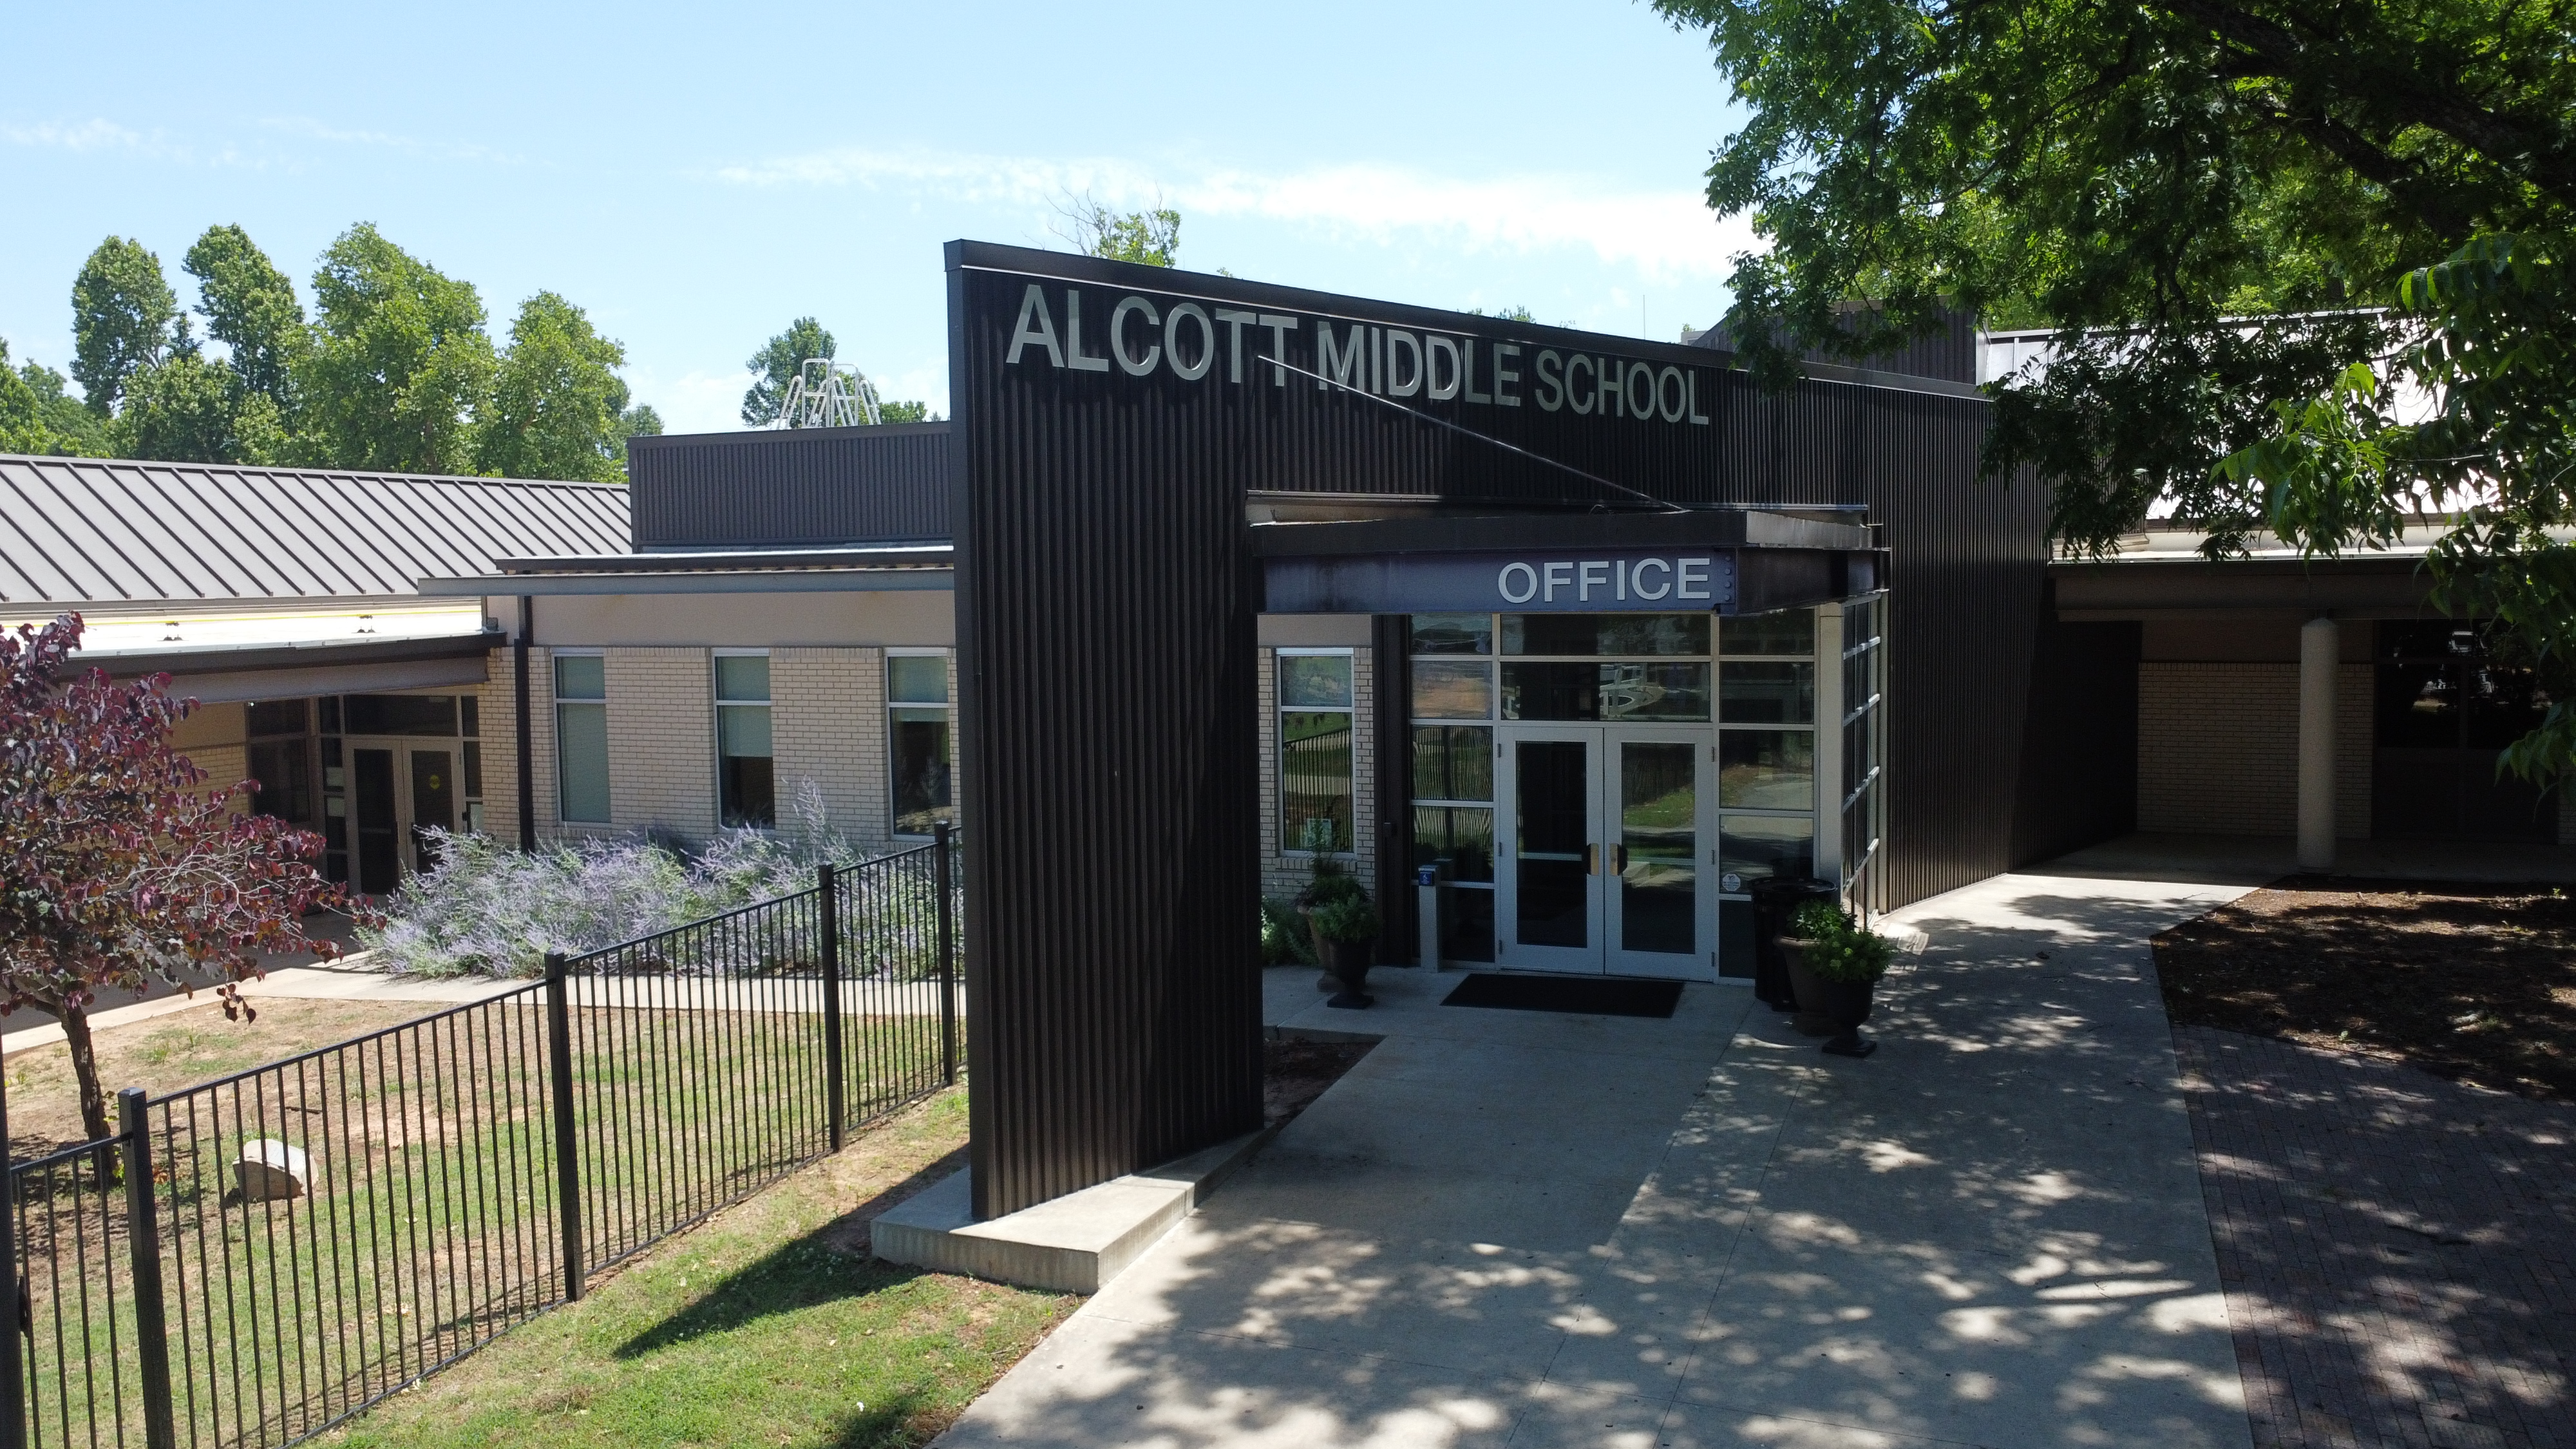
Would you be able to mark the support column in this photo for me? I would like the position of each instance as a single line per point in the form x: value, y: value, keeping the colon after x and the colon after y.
x: 2320, y: 660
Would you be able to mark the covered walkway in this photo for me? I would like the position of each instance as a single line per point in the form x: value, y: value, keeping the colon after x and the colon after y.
x: 1526, y: 1229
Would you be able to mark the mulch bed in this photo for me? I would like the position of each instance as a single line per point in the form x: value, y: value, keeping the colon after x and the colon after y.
x: 1296, y: 1071
x: 2473, y: 983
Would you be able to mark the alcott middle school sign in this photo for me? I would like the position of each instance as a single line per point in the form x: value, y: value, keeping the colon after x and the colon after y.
x: 1077, y: 329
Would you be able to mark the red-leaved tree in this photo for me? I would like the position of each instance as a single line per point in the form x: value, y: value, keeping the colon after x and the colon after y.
x: 115, y: 866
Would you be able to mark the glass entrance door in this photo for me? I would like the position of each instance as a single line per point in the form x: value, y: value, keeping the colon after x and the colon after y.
x: 395, y: 791
x: 1605, y: 868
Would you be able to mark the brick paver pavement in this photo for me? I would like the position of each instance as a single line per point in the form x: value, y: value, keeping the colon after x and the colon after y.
x: 2399, y: 1251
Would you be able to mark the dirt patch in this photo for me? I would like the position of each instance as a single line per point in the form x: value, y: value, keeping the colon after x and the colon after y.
x: 165, y: 1053
x: 1296, y: 1071
x: 2473, y: 983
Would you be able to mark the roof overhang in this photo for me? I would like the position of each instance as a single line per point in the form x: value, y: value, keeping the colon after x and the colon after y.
x: 1715, y: 560
x: 856, y: 569
x: 2105, y: 590
x: 313, y: 654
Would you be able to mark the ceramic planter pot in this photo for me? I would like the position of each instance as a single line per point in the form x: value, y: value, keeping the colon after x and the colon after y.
x: 1804, y: 986
x: 1836, y: 1008
x: 1348, y: 964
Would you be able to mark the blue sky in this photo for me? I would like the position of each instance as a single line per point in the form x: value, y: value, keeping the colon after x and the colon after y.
x: 695, y: 178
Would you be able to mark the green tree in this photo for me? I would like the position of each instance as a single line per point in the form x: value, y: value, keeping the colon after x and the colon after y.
x: 122, y: 309
x: 400, y: 362
x: 187, y: 408
x: 1151, y: 237
x: 913, y: 411
x: 2196, y: 194
x: 774, y: 367
x: 639, y: 421
x: 557, y: 405
x: 250, y: 307
x: 22, y: 415
x: 62, y: 425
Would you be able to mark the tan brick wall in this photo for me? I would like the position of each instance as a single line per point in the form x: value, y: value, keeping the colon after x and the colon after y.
x: 2218, y: 748
x: 1284, y: 874
x: 661, y: 741
x: 827, y: 721
x: 828, y: 725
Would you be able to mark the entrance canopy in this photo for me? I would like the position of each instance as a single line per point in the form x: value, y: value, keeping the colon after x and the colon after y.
x: 1722, y: 560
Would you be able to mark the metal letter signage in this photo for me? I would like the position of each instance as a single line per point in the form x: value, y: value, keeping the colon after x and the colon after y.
x: 1476, y: 583
x: 1145, y: 339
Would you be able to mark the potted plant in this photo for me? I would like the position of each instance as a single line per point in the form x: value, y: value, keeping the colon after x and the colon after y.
x: 1326, y: 883
x: 1834, y: 966
x: 1347, y: 930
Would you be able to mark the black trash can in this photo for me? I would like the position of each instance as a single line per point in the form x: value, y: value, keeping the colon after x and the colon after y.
x: 1775, y: 900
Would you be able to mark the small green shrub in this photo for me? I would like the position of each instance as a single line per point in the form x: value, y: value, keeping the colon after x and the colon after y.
x: 1841, y: 948
x: 1350, y: 919
x: 1284, y: 941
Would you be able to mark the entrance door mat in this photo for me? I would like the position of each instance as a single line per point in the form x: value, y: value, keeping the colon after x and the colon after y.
x: 1589, y: 995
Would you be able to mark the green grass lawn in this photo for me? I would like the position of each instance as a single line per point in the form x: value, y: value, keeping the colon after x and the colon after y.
x: 768, y: 1325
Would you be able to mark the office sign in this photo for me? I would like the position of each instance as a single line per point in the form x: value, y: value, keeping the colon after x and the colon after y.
x: 1604, y: 582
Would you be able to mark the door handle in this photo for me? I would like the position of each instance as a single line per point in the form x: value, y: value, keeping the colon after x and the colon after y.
x: 1591, y: 860
x: 1620, y: 866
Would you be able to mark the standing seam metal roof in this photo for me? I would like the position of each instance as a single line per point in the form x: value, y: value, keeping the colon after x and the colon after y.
x: 100, y: 530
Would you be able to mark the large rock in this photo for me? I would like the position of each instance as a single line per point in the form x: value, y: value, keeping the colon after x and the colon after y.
x: 269, y: 1170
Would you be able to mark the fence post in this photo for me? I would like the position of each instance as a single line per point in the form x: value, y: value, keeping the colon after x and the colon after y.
x: 143, y: 1243
x: 567, y: 1141
x: 13, y: 1369
x: 943, y: 876
x: 835, y: 1086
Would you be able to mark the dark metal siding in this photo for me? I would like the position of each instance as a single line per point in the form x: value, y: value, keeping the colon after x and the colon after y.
x: 1391, y: 663
x: 1106, y: 660
x: 770, y: 489
x: 2079, y: 762
x: 1106, y: 655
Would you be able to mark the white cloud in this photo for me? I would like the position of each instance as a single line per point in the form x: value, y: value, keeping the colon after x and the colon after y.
x: 91, y: 135
x: 312, y: 129
x: 1663, y: 234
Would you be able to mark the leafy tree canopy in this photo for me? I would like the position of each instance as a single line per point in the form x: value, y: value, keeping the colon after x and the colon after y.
x: 400, y: 361
x: 557, y: 408
x: 117, y: 864
x: 250, y: 307
x: 122, y: 308
x: 1151, y: 237
x: 773, y: 369
x: 2220, y: 207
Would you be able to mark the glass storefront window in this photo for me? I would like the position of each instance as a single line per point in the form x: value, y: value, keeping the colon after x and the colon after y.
x: 746, y: 772
x: 1766, y: 693
x: 1459, y: 837
x: 1453, y: 762
x: 1751, y: 847
x: 1595, y: 635
x: 1315, y: 681
x: 1592, y: 692
x: 919, y: 742
x: 1790, y: 632
x: 1315, y: 759
x: 1453, y: 633
x: 581, y: 738
x: 1766, y: 769
x: 1453, y: 689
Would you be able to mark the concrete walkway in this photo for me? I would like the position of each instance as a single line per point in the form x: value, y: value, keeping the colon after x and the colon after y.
x: 1536, y: 1230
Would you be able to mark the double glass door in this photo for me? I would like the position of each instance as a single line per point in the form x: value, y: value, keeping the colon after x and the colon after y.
x: 1605, y: 860
x: 396, y: 791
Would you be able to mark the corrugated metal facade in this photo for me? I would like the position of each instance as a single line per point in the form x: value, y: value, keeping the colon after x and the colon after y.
x: 767, y: 489
x: 1106, y: 649
x: 77, y: 531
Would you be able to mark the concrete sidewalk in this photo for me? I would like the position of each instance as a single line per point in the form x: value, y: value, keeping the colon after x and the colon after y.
x: 1525, y: 1229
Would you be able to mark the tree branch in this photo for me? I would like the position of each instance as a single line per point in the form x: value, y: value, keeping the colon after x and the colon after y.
x: 2509, y: 142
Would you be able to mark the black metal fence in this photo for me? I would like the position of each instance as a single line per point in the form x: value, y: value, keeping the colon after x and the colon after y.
x: 250, y: 1261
